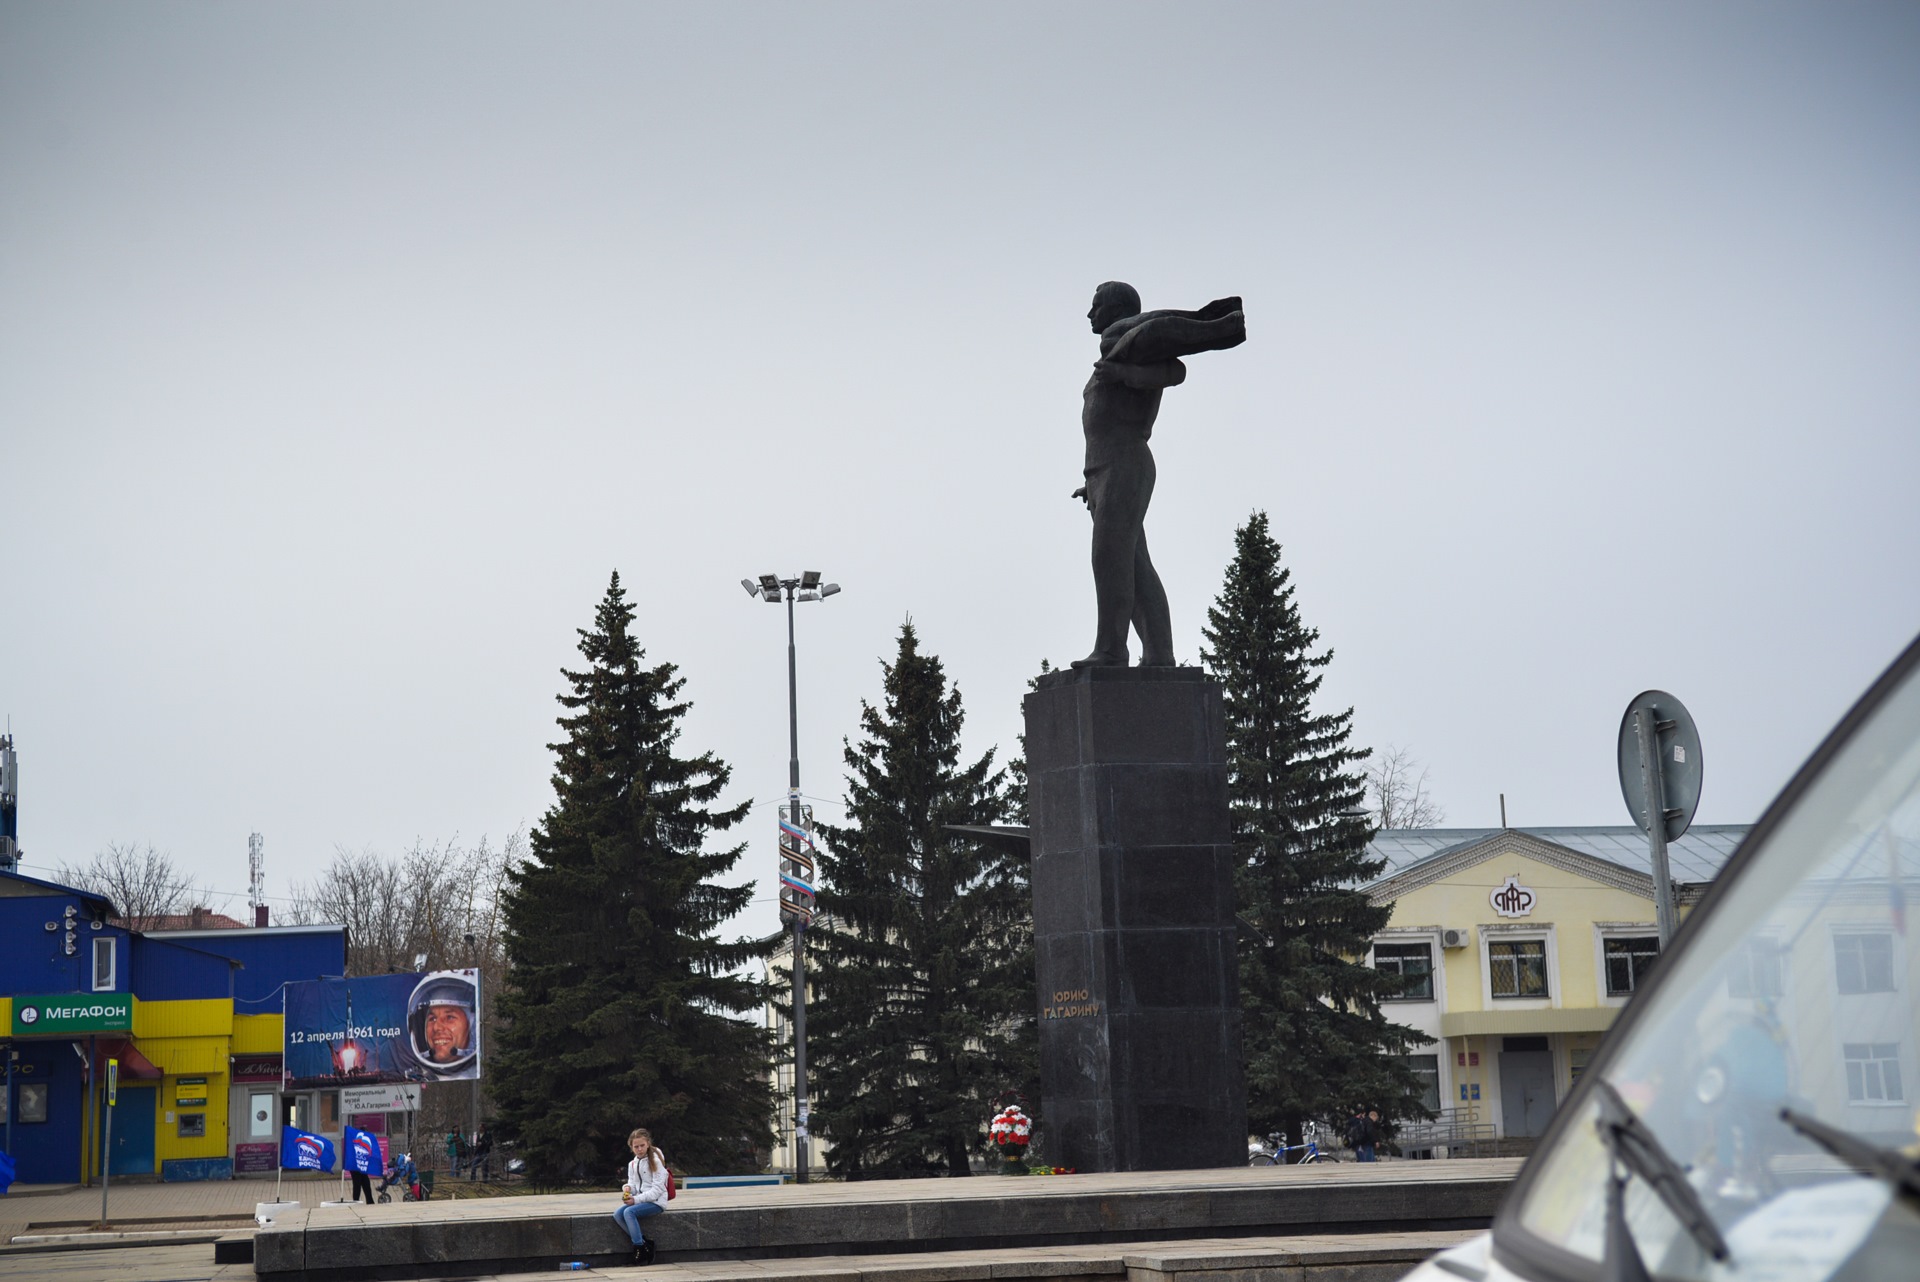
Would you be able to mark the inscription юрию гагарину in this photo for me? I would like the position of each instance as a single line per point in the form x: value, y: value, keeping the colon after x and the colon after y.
x: 1070, y: 1002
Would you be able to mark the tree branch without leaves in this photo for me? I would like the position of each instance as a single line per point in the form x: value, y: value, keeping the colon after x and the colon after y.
x: 1397, y: 792
x: 143, y: 884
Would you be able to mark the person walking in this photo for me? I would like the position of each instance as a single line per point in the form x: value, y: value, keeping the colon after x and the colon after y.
x: 645, y: 1192
x: 482, y: 1163
x: 1363, y: 1133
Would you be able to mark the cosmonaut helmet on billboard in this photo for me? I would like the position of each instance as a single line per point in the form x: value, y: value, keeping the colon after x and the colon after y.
x: 443, y: 1023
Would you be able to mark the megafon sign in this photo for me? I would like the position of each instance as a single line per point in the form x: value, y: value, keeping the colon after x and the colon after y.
x: 63, y: 1013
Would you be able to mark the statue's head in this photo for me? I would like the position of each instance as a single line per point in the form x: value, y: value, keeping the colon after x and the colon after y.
x: 1115, y: 300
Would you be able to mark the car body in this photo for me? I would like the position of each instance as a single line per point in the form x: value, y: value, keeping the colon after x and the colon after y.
x: 1753, y: 1113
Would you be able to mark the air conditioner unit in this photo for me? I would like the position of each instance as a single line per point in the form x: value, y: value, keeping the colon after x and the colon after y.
x: 1453, y: 938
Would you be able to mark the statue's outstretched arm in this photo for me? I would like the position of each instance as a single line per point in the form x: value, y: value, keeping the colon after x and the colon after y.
x: 1146, y: 378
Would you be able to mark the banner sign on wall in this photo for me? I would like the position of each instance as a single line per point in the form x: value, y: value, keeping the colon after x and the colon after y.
x: 392, y: 1098
x: 252, y: 1159
x: 256, y: 1068
x: 72, y: 1013
x: 376, y: 1029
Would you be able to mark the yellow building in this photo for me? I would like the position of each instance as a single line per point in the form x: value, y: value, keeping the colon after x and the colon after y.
x: 1521, y: 946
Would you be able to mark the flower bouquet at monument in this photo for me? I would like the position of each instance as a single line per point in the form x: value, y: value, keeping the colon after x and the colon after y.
x: 1011, y: 1131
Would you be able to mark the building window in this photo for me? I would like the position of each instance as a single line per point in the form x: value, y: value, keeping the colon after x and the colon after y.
x: 1414, y: 963
x: 329, y: 1110
x: 103, y: 965
x: 33, y: 1101
x: 1629, y: 959
x: 1577, y: 1060
x: 1518, y: 967
x: 1873, y: 1072
x: 1754, y: 971
x: 1863, y: 963
x: 1427, y: 1069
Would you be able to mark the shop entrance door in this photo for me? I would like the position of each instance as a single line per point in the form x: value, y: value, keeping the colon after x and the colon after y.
x: 133, y: 1131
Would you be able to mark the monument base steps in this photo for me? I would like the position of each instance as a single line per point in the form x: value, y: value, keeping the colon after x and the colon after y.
x: 1276, y: 1224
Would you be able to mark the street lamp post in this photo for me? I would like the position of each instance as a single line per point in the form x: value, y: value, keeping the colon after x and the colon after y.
x: 771, y: 589
x: 473, y: 1035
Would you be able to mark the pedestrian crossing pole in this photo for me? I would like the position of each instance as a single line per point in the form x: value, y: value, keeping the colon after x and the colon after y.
x: 106, y: 1146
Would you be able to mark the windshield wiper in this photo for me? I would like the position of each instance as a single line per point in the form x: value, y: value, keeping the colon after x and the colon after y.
x: 1635, y: 1148
x: 1891, y: 1165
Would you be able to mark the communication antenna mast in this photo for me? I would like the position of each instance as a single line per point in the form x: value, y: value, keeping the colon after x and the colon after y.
x: 9, y: 804
x: 256, y: 875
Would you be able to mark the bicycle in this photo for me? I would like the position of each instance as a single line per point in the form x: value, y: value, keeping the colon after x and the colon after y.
x: 1274, y: 1149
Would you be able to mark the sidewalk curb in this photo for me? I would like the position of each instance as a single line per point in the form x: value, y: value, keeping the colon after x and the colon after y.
x: 235, y: 1216
x: 32, y: 1244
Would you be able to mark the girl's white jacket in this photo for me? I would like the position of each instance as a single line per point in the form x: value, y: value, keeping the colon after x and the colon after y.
x: 648, y: 1184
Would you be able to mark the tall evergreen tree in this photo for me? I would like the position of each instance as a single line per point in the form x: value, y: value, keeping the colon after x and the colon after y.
x: 924, y: 1008
x: 620, y: 1004
x: 1317, y: 1046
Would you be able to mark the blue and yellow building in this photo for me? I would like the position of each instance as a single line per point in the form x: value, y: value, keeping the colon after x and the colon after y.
x: 191, y: 1019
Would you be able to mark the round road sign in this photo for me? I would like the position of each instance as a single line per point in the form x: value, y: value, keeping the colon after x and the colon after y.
x: 1676, y: 754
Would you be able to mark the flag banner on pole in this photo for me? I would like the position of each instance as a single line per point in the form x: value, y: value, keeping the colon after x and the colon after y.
x: 304, y: 1151
x: 360, y: 1152
x: 6, y: 1172
x: 796, y: 868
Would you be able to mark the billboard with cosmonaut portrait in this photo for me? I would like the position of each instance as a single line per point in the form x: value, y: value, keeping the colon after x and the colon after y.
x: 369, y: 1029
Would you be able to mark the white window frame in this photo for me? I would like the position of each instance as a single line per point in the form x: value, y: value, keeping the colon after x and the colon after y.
x: 1899, y: 1064
x: 113, y: 963
x: 1895, y: 960
x: 1503, y: 933
x: 1437, y: 968
x: 1602, y: 932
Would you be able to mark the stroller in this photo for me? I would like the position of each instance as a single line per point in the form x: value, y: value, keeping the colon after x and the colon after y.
x: 407, y: 1177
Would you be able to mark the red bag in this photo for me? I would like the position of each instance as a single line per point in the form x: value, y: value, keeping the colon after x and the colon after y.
x: 673, y: 1186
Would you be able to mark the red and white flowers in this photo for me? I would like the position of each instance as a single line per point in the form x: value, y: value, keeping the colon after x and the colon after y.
x: 1011, y: 1129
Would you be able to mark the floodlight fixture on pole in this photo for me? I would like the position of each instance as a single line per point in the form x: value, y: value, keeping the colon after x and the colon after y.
x: 796, y: 875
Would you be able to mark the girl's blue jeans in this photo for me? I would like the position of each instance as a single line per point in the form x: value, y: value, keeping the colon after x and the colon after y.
x: 629, y: 1217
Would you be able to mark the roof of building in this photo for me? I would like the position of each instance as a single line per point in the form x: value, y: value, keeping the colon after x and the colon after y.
x: 321, y: 928
x: 14, y: 884
x: 1696, y: 857
x: 198, y: 919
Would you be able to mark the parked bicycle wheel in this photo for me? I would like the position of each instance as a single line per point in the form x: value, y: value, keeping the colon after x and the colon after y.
x: 1262, y: 1159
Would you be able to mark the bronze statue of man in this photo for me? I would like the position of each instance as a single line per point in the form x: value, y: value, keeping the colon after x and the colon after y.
x: 1139, y: 358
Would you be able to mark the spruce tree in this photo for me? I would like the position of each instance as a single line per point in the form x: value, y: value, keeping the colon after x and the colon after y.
x: 621, y: 999
x: 924, y: 1004
x: 1317, y: 1046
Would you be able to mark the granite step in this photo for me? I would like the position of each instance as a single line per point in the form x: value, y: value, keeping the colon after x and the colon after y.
x: 758, y: 1232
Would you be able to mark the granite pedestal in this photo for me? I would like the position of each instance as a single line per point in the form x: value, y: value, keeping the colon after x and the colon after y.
x: 1134, y: 931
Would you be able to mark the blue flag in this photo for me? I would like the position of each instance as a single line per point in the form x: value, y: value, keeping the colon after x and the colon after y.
x: 303, y: 1151
x: 6, y: 1172
x: 360, y: 1151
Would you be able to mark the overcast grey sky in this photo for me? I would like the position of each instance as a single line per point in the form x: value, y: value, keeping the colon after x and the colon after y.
x: 346, y: 348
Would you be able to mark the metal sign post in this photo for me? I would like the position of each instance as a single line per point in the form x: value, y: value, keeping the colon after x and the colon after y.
x: 1659, y: 757
x: 106, y: 1146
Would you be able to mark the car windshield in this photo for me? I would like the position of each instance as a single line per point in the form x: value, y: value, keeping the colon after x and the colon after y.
x: 1797, y: 992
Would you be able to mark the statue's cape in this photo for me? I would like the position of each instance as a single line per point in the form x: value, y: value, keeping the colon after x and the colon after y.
x: 1152, y: 337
